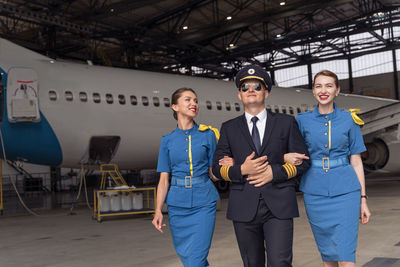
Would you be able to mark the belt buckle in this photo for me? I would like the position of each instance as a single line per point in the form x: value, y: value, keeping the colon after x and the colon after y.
x: 190, y: 182
x: 323, y: 163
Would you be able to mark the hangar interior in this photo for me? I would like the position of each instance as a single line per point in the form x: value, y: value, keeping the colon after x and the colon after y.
x: 358, y: 39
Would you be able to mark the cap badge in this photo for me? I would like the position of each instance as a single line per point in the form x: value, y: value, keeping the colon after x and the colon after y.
x: 251, y: 71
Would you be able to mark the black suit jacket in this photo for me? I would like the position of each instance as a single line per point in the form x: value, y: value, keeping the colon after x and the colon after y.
x: 281, y: 136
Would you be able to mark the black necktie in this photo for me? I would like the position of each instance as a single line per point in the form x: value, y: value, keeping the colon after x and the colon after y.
x: 255, y: 135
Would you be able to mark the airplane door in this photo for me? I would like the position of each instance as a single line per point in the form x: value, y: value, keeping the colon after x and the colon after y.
x: 22, y: 95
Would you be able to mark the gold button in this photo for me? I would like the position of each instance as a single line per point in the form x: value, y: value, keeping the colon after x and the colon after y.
x: 186, y: 133
x: 187, y: 162
x: 186, y: 150
x: 326, y: 124
x: 326, y: 117
x: 325, y: 133
x: 186, y: 139
x: 326, y: 170
x: 326, y: 146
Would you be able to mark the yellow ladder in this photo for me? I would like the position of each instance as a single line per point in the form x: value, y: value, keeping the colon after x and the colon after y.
x: 112, y: 171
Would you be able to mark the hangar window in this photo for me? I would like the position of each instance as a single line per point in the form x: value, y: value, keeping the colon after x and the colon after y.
x: 145, y: 100
x: 53, y: 95
x: 291, y: 110
x: 219, y: 105
x: 133, y: 100
x: 69, y: 96
x: 208, y: 104
x: 298, y: 110
x: 109, y: 99
x: 96, y: 98
x: 121, y: 99
x: 276, y: 108
x: 156, y: 101
x: 269, y: 108
x: 166, y: 102
x: 237, y: 106
x: 283, y: 108
x: 228, y: 106
x: 83, y: 96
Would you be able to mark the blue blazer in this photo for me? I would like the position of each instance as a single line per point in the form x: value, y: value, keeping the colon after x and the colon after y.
x: 281, y: 136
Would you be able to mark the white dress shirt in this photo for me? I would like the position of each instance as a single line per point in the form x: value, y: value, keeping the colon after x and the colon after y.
x: 262, y: 120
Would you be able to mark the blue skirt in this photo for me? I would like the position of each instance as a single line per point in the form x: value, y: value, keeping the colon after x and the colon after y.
x: 334, y: 222
x: 192, y: 230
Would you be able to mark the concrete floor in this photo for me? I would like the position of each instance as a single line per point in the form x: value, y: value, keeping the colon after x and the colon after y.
x: 56, y: 239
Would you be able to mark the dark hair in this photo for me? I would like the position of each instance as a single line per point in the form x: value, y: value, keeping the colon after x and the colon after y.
x: 329, y: 74
x: 176, y: 95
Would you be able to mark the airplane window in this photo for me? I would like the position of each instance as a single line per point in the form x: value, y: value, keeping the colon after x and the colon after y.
x: 283, y: 110
x: 228, y: 106
x: 219, y: 105
x: 298, y: 110
x: 83, y: 96
x: 269, y: 108
x: 156, y: 101
x: 237, y: 106
x: 208, y: 104
x: 109, y: 98
x: 133, y: 100
x: 291, y: 110
x: 69, y: 96
x: 276, y: 108
x: 166, y: 102
x: 121, y: 99
x: 96, y: 98
x: 145, y: 101
x: 53, y: 95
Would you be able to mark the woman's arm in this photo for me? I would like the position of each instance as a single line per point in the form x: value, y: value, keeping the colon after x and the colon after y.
x: 162, y: 191
x: 356, y: 162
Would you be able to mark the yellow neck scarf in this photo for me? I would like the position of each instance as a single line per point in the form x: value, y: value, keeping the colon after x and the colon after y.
x: 203, y: 128
x: 354, y: 112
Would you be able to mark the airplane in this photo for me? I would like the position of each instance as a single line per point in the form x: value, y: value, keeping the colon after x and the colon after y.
x: 67, y: 114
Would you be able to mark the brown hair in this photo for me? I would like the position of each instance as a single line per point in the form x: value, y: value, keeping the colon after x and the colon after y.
x: 176, y: 95
x: 329, y: 74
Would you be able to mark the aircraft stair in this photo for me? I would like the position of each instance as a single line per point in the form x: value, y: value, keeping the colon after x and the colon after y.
x: 380, y: 118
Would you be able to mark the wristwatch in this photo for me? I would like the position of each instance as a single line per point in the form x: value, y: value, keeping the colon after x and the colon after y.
x: 364, y: 196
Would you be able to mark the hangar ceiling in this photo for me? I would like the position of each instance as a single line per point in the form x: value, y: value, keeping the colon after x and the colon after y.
x: 211, y: 38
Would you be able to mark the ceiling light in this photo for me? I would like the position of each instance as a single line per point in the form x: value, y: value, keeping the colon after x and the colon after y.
x: 282, y: 3
x: 52, y: 61
x: 278, y: 35
x: 318, y: 55
x: 112, y: 9
x: 273, y: 63
x: 231, y: 45
x: 185, y: 27
x: 359, y: 47
x: 228, y: 18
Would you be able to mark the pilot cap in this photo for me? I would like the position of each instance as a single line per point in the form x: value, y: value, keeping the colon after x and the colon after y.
x: 253, y: 72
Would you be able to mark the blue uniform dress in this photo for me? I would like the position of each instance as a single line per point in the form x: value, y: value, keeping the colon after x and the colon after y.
x: 191, y: 199
x: 331, y: 189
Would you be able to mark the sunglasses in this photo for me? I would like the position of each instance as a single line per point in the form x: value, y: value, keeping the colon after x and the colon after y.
x: 246, y: 86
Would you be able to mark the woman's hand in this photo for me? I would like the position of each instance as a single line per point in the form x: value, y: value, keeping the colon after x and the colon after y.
x: 365, y: 214
x: 227, y: 161
x: 157, y: 221
x: 294, y: 158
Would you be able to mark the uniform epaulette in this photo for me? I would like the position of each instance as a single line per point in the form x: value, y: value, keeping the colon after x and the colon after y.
x: 353, y: 113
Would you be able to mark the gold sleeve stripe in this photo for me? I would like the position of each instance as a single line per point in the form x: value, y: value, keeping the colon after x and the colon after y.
x: 225, y: 173
x: 290, y: 169
x: 289, y: 173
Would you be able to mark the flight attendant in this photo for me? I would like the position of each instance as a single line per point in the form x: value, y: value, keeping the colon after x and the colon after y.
x: 334, y: 186
x: 186, y: 154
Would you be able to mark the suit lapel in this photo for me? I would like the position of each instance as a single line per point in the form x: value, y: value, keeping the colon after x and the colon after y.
x: 269, y: 126
x: 245, y: 131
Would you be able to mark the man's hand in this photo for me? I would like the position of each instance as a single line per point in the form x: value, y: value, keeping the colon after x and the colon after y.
x: 254, y: 166
x: 262, y: 178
